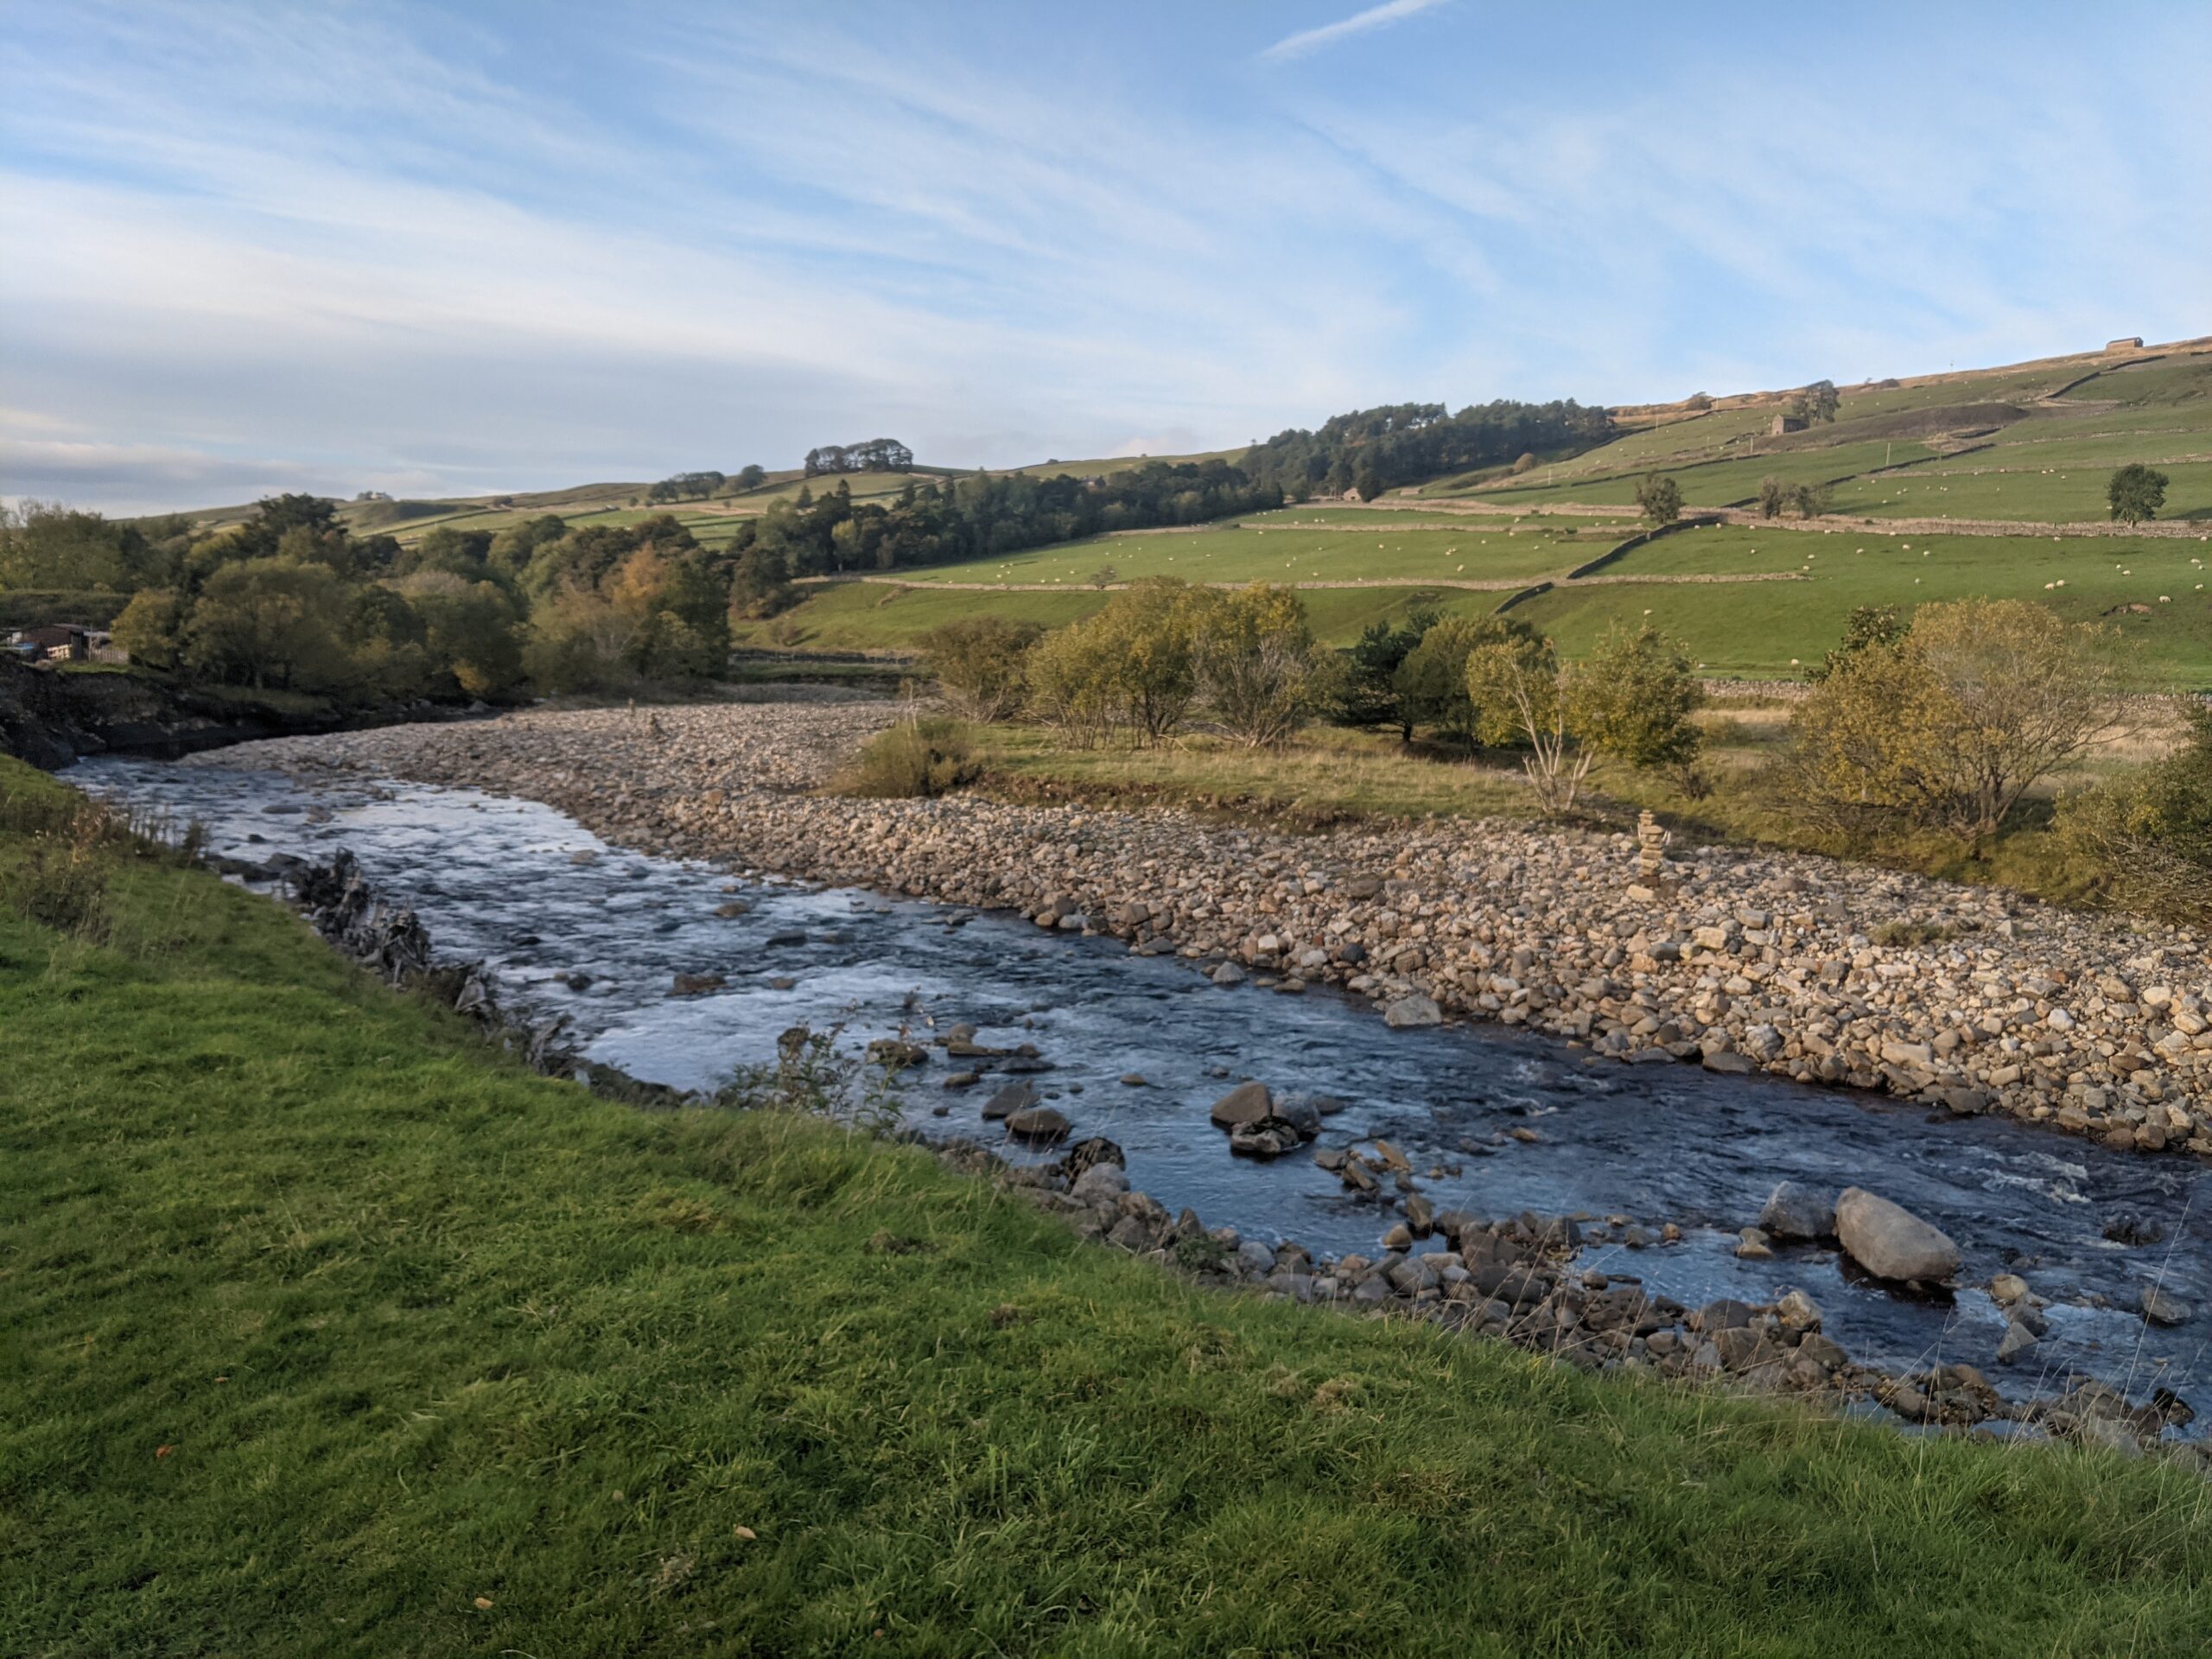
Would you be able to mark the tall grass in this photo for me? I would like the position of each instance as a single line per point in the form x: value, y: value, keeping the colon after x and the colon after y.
x: 921, y: 757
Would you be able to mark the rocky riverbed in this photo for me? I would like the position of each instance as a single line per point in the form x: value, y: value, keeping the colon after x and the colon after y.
x: 1811, y: 970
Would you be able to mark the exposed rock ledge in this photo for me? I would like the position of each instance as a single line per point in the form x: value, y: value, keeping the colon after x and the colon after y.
x: 1742, y: 961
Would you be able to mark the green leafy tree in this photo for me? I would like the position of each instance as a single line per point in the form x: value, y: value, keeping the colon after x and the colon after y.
x: 151, y: 627
x: 2135, y: 492
x: 271, y: 622
x: 1258, y: 669
x: 1774, y: 495
x: 752, y: 478
x: 1949, y: 727
x: 1660, y: 498
x: 1869, y: 627
x: 1519, y: 694
x: 1366, y: 692
x: 980, y: 664
x: 1818, y: 402
x: 1432, y: 679
x: 1633, y: 698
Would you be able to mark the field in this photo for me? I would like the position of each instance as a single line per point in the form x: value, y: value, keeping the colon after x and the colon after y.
x: 333, y: 1331
x: 1306, y: 544
x: 1772, y: 628
x: 893, y: 617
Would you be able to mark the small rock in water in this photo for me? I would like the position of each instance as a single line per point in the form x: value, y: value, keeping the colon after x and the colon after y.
x: 1798, y: 1212
x: 1398, y: 1238
x: 2007, y: 1288
x: 1752, y: 1245
x: 1798, y: 1311
x: 1037, y: 1124
x: 2162, y: 1308
x: 1265, y: 1137
x: 1228, y: 974
x: 1409, y: 1012
x: 1014, y: 1098
x: 1248, y: 1102
x: 697, y: 984
x: 1134, y: 1080
x: 2017, y: 1340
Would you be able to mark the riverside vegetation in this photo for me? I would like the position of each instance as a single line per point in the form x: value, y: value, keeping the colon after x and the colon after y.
x: 334, y: 1326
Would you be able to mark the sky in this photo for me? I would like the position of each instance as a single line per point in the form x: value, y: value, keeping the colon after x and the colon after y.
x: 451, y: 250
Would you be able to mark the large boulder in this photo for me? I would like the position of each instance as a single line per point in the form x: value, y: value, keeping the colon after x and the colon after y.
x: 1248, y: 1102
x: 1264, y: 1137
x: 1798, y: 1212
x: 1891, y: 1243
x: 1410, y: 1011
x: 1037, y: 1124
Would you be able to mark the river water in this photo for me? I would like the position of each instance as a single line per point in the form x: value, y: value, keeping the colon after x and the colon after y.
x: 542, y: 901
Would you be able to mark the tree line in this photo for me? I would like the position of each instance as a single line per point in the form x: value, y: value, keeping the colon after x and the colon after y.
x: 1376, y: 450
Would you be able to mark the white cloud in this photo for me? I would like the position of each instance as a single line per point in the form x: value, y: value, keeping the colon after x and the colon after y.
x: 1312, y: 39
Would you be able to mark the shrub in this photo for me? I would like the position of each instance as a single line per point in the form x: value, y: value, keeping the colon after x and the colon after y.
x: 1131, y: 668
x: 1949, y: 726
x: 917, y: 758
x: 1257, y: 665
x: 2148, y: 835
x: 1774, y: 495
x: 1364, y: 691
x: 981, y: 664
x: 1632, y: 698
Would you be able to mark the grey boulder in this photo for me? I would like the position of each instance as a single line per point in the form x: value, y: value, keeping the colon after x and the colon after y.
x: 1248, y: 1102
x: 1798, y: 1212
x: 1891, y: 1243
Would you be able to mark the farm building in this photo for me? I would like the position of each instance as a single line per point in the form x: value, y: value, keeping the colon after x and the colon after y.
x: 1789, y: 423
x: 59, y: 643
x: 2128, y: 343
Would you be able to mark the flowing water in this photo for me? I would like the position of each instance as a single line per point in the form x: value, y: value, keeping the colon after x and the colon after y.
x: 544, y: 901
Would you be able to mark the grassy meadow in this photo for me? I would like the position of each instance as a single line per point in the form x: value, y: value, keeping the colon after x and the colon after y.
x: 329, y: 1330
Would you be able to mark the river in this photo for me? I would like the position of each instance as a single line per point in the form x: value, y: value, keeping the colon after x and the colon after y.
x: 578, y: 927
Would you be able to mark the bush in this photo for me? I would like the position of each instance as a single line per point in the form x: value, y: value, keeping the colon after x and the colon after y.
x: 1632, y: 698
x: 1949, y: 726
x: 1774, y: 495
x: 1131, y: 668
x: 980, y: 664
x: 916, y: 760
x: 1516, y: 690
x: 2148, y: 836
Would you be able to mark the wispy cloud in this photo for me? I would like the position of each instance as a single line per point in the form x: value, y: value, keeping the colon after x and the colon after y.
x: 1313, y: 39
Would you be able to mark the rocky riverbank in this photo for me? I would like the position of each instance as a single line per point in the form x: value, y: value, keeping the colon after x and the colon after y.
x: 1967, y: 998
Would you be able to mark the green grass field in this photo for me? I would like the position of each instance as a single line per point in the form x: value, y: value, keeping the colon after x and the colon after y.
x: 881, y: 616
x: 1772, y: 628
x: 329, y: 1330
x: 1302, y: 545
x: 1723, y: 483
x: 2031, y: 488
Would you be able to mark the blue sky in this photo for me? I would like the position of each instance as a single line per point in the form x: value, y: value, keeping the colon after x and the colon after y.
x: 453, y: 248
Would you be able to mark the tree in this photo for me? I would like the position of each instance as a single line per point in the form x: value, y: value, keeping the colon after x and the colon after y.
x: 753, y: 477
x: 2136, y: 493
x: 1258, y: 668
x: 1515, y: 686
x: 980, y: 663
x: 151, y: 627
x: 268, y: 622
x: 761, y: 584
x: 1432, y: 679
x: 1661, y: 498
x: 469, y: 630
x: 45, y: 545
x: 1949, y: 726
x: 1818, y: 402
x: 1633, y: 696
x: 1365, y: 692
x: 1774, y: 495
x: 1869, y: 626
x: 1811, y: 500
x: 1132, y: 667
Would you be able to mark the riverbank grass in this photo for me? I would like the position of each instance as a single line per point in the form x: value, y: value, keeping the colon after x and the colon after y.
x: 329, y: 1330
